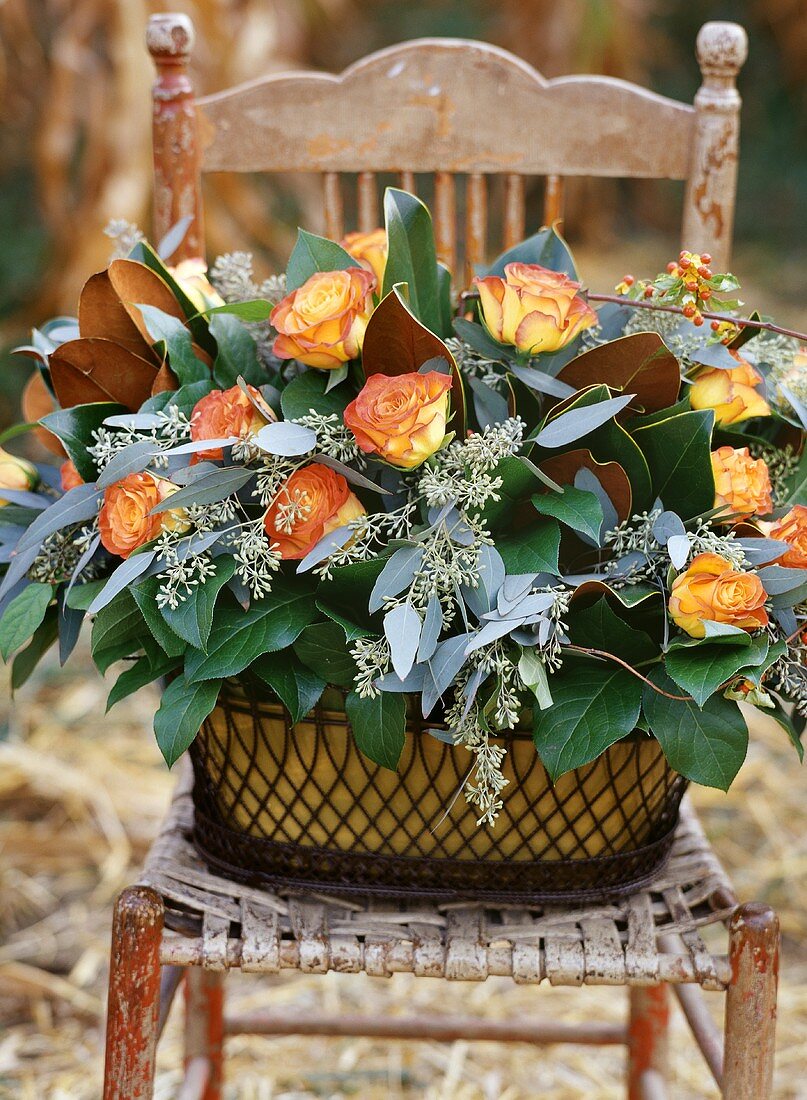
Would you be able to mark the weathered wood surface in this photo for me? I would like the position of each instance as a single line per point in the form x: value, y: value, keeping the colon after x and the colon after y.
x: 445, y: 105
x: 594, y: 944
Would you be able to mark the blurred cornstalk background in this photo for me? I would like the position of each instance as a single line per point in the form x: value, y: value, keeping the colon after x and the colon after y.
x: 74, y: 142
x: 80, y: 799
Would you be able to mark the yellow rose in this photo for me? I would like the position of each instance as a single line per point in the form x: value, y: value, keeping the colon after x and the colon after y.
x: 711, y: 589
x: 401, y: 417
x: 322, y: 323
x: 192, y: 278
x: 742, y: 483
x: 125, y: 522
x: 532, y: 308
x: 370, y: 249
x: 223, y: 413
x: 792, y: 529
x: 731, y: 393
x: 313, y: 502
x: 16, y: 473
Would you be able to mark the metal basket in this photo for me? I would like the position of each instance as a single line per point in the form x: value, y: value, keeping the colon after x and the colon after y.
x: 299, y: 806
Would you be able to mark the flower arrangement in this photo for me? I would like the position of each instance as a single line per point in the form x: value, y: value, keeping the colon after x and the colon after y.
x: 535, y: 499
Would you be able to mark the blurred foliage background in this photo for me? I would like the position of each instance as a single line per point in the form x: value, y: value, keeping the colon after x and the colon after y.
x: 75, y: 141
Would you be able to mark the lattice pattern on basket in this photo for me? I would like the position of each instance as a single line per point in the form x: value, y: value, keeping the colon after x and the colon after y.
x: 302, y: 804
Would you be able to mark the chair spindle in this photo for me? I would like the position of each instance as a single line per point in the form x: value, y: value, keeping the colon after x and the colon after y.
x: 553, y: 200
x: 445, y: 218
x: 334, y: 211
x: 368, y: 202
x: 476, y: 223
x: 513, y: 209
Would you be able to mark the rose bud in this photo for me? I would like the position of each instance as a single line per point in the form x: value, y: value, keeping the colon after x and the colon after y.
x: 370, y: 249
x: 225, y: 413
x: 534, y: 309
x: 16, y: 473
x: 313, y: 502
x: 731, y: 393
x: 322, y: 323
x: 742, y: 483
x: 125, y: 521
x: 401, y: 417
x: 711, y: 589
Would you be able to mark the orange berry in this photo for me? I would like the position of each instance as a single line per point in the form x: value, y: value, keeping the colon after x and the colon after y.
x: 704, y: 272
x: 689, y: 311
x: 706, y: 258
x: 692, y: 286
x: 706, y: 294
x: 628, y: 280
x: 672, y: 266
x: 715, y: 325
x: 697, y: 319
x: 648, y: 292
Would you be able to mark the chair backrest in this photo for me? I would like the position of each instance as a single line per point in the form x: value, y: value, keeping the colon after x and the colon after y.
x: 448, y: 107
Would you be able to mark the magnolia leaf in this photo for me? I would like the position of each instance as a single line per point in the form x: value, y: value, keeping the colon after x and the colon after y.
x: 89, y: 370
x: 575, y: 508
x: 678, y: 454
x: 312, y: 254
x: 102, y: 314
x: 565, y: 468
x: 412, y: 259
x: 641, y: 363
x: 135, y: 282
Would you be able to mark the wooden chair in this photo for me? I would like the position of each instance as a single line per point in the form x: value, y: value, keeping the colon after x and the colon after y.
x: 192, y: 924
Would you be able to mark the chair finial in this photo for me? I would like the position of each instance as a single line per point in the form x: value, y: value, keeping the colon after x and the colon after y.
x: 721, y: 48
x: 170, y: 35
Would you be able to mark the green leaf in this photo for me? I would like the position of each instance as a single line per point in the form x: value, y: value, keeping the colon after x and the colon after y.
x: 701, y: 669
x: 352, y: 630
x: 599, y: 627
x: 145, y: 254
x: 184, y: 399
x: 781, y: 716
x: 311, y: 254
x: 518, y: 484
x: 577, y: 508
x: 193, y: 618
x: 308, y: 391
x: 796, y: 484
x: 27, y: 659
x: 183, y: 708
x: 117, y: 631
x: 145, y: 596
x: 532, y: 671
x: 254, y: 309
x: 170, y: 332
x: 239, y: 636
x: 706, y: 745
x: 75, y: 427
x: 594, y: 705
x: 678, y: 453
x: 533, y: 550
x: 322, y: 647
x: 297, y: 686
x: 81, y: 596
x: 144, y: 671
x: 22, y: 617
x: 412, y: 257
x: 379, y: 726
x: 546, y: 247
x: 237, y: 354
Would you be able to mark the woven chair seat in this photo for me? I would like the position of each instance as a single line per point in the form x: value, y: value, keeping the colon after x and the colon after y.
x: 650, y: 936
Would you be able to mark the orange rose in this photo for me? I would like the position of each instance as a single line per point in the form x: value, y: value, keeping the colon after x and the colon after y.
x: 322, y: 323
x: 313, y: 502
x: 16, y: 473
x: 401, y: 417
x: 534, y: 309
x: 69, y: 475
x: 711, y: 589
x: 731, y: 393
x: 192, y: 278
x: 124, y: 520
x: 370, y: 249
x: 225, y: 413
x: 792, y: 529
x: 742, y: 483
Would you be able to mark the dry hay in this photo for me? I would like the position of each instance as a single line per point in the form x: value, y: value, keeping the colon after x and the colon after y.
x: 80, y: 797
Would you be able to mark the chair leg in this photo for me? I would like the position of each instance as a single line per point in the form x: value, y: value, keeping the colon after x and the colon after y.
x: 647, y: 1037
x: 204, y: 1026
x: 751, y: 1003
x: 134, y: 995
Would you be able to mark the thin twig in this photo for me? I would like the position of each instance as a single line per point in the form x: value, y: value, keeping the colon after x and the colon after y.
x: 632, y: 303
x: 630, y: 668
